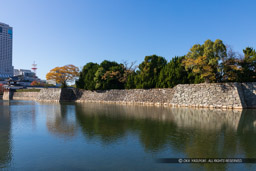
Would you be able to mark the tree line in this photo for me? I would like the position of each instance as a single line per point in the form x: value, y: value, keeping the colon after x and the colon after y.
x: 211, y: 62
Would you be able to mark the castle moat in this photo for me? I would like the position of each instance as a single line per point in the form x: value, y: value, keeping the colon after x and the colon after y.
x: 96, y: 136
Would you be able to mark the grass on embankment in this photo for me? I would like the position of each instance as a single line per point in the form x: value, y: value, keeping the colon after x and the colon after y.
x: 28, y: 90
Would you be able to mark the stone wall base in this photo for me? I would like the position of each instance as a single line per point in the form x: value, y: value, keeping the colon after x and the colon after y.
x: 216, y: 95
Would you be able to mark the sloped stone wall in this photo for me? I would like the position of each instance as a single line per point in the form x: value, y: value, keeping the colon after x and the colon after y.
x: 49, y: 94
x: 216, y: 95
x: 135, y: 96
x: 68, y: 94
x: 57, y: 94
x: 25, y: 95
x: 249, y: 91
x: 224, y: 95
x: 7, y: 95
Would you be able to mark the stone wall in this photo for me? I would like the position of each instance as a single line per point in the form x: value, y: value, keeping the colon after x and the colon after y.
x: 136, y: 96
x: 25, y: 95
x: 225, y: 95
x: 217, y: 95
x: 8, y: 94
x: 249, y: 91
x: 58, y: 94
x: 49, y: 94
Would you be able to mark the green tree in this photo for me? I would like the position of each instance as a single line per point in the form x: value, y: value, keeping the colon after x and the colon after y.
x: 204, y: 59
x: 229, y: 67
x: 86, y: 78
x: 130, y: 83
x: 248, y: 65
x: 129, y: 75
x: 109, y: 76
x: 174, y: 73
x: 149, y: 69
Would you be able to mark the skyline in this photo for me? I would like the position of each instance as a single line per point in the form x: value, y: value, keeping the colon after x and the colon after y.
x: 61, y: 32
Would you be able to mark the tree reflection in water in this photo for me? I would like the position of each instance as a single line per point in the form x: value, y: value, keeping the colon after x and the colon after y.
x: 60, y: 120
x: 197, y: 133
x: 193, y: 133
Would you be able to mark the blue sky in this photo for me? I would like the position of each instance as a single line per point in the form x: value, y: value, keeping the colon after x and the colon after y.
x: 59, y: 32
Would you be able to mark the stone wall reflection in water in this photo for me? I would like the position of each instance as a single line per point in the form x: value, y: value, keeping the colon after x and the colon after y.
x: 197, y: 132
x: 5, y: 134
x: 60, y: 119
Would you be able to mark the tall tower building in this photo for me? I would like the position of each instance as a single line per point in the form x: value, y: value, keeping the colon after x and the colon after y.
x: 6, y: 68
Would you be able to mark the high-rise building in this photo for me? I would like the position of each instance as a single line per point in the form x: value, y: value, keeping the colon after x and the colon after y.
x: 6, y: 68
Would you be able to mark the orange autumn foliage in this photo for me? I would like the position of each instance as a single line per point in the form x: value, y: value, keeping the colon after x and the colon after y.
x: 62, y: 75
x: 37, y: 83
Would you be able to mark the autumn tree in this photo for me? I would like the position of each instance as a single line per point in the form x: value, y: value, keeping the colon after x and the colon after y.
x: 34, y: 83
x: 37, y: 83
x: 204, y: 59
x: 64, y: 74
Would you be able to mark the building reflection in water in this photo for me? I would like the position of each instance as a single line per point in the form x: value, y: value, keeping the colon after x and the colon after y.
x: 5, y: 134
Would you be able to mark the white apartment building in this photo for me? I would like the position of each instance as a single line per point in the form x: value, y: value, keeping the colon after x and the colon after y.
x: 6, y: 68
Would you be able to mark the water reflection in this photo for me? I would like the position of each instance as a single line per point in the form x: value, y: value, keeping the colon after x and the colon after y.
x: 197, y: 133
x: 5, y: 134
x: 60, y: 120
x: 194, y: 133
x: 247, y: 133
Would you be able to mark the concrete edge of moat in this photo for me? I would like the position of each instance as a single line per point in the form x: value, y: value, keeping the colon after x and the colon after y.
x: 214, y: 95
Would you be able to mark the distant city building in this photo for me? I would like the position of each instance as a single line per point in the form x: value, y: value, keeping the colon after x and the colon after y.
x: 6, y: 35
x: 25, y: 76
x: 24, y: 72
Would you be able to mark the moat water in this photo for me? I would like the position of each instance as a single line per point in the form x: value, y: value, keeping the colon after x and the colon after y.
x: 93, y: 136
